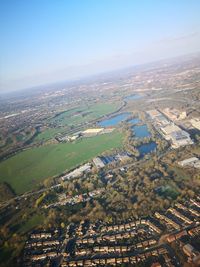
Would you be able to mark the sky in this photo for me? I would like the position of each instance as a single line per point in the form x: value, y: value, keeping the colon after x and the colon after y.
x: 45, y: 41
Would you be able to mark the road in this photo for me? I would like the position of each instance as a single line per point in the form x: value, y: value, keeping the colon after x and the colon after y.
x: 28, y: 194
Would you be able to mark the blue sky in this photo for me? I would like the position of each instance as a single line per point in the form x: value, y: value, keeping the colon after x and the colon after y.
x: 46, y: 41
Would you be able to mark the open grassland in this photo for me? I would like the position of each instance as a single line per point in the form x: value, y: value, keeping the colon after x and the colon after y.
x: 75, y: 116
x: 48, y: 134
x: 85, y: 114
x: 28, y: 168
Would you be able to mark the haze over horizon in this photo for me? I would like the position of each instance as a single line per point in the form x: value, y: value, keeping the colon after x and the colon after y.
x: 47, y: 41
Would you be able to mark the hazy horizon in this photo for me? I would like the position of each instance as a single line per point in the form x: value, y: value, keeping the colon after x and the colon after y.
x: 47, y: 42
x: 93, y: 75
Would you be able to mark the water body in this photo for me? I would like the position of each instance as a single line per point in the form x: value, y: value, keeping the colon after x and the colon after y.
x: 114, y: 120
x: 134, y: 120
x: 147, y: 148
x: 133, y: 97
x: 141, y: 131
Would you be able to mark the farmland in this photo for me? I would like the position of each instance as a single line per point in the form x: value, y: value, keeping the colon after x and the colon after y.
x: 27, y: 169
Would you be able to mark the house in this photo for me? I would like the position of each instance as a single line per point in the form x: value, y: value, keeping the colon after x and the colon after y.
x: 189, y: 250
x: 181, y: 216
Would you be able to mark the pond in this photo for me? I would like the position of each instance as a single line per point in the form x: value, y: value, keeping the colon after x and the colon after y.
x: 113, y: 121
x: 141, y: 131
x: 147, y: 148
x: 133, y: 97
x: 134, y: 121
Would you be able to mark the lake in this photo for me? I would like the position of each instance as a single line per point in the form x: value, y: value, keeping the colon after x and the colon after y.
x: 113, y: 121
x: 147, y: 148
x: 133, y: 97
x: 141, y: 131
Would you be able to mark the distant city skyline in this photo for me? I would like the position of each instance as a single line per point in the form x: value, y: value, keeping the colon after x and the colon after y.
x: 48, y: 41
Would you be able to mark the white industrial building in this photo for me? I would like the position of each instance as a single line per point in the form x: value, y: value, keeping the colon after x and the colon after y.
x: 174, y: 114
x: 180, y: 138
x: 96, y: 131
x: 77, y: 172
x: 168, y: 129
x: 191, y: 162
x: 92, y: 131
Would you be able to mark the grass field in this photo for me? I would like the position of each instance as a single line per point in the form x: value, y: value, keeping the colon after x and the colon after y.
x: 26, y: 169
x: 85, y: 113
x: 76, y: 116
x: 48, y: 134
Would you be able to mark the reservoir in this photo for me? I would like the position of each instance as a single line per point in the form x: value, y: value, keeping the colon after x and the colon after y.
x: 141, y: 131
x: 113, y: 121
x: 146, y: 148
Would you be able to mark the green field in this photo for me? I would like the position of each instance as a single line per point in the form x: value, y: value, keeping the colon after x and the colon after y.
x: 26, y: 169
x: 76, y: 116
x: 85, y: 113
x: 48, y: 134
